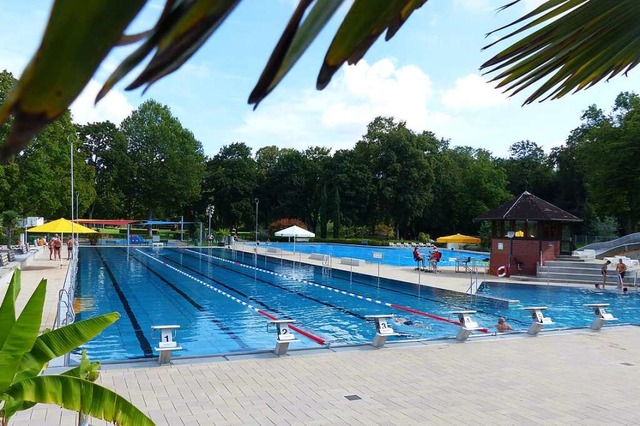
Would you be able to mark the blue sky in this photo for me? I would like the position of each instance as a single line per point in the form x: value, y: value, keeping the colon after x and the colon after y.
x: 427, y: 75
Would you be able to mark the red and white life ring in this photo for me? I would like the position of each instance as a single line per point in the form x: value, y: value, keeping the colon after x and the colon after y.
x: 502, y: 271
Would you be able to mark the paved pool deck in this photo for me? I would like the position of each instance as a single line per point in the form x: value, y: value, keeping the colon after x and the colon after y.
x: 556, y: 378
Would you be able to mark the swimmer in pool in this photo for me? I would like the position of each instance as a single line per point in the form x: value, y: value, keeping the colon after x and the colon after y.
x: 404, y: 321
x: 502, y: 325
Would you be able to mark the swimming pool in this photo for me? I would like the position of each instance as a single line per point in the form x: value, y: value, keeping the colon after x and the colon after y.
x: 566, y: 304
x: 396, y: 256
x: 223, y: 300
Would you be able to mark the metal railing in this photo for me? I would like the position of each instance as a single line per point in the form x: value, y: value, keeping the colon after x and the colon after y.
x: 474, y: 277
x: 66, y: 314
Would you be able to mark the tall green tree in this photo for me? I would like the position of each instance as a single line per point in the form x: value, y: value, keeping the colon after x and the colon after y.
x: 337, y: 215
x: 231, y: 183
x: 528, y: 169
x: 167, y: 161
x: 323, y: 211
x: 42, y: 186
x: 607, y: 151
x: 9, y: 222
x: 105, y: 149
x: 403, y: 174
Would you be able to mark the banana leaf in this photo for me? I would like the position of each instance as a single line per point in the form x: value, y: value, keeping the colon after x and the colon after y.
x: 61, y: 341
x: 79, y: 395
x: 8, y: 308
x: 22, y: 335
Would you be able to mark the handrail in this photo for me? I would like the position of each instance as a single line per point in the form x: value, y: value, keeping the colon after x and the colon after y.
x: 65, y: 313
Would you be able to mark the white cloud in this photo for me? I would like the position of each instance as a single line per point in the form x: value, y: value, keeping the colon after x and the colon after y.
x: 473, y: 92
x: 338, y: 116
x: 475, y: 5
x: 113, y: 107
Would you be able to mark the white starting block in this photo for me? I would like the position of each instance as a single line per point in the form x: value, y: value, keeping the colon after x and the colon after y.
x: 602, y: 316
x: 467, y: 324
x: 383, y: 330
x: 285, y: 336
x: 167, y: 343
x: 539, y: 320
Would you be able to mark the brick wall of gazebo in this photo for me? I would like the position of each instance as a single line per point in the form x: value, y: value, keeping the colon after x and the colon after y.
x: 528, y: 252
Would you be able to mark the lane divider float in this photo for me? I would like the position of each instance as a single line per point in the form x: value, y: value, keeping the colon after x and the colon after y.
x: 311, y: 336
x: 336, y: 290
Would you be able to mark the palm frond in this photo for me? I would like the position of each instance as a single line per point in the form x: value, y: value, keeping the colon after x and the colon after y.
x: 580, y: 43
x: 362, y: 26
x: 181, y: 30
x: 78, y: 36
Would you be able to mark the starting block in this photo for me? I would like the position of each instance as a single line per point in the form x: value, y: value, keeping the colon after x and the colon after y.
x: 602, y: 316
x: 467, y: 324
x: 285, y: 336
x: 383, y: 329
x: 539, y: 320
x: 167, y: 343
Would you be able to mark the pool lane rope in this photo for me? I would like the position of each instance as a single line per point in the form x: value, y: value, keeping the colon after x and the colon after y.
x: 311, y: 336
x: 336, y: 290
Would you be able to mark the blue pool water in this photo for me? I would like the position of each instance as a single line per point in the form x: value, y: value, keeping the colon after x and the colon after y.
x: 217, y: 297
x: 396, y: 256
x: 566, y: 304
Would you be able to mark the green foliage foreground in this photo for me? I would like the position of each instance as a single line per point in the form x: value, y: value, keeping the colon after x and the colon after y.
x: 24, y: 355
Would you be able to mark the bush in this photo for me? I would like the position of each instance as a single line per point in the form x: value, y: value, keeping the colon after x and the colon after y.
x: 281, y: 224
x: 383, y: 231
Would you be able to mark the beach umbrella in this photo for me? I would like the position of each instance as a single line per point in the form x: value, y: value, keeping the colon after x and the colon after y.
x: 459, y: 239
x: 61, y: 226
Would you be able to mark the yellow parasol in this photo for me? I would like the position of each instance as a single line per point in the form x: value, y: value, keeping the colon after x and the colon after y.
x: 459, y: 239
x: 61, y: 226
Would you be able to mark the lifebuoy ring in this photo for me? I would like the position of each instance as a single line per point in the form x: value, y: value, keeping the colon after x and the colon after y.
x: 502, y: 271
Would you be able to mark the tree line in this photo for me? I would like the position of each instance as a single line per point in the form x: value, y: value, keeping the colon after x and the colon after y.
x: 393, y: 183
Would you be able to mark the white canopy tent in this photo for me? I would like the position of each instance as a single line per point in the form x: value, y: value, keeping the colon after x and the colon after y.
x: 295, y: 232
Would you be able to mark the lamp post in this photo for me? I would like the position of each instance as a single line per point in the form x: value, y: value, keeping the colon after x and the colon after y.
x: 71, y: 139
x: 257, y: 202
x: 210, y: 210
x: 510, y: 234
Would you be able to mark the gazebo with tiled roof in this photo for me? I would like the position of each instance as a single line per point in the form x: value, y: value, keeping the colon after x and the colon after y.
x: 527, y: 231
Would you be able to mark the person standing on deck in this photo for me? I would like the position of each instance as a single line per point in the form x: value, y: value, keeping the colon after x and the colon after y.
x: 621, y: 268
x: 603, y: 271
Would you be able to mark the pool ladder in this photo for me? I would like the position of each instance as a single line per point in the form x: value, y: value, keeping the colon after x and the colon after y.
x: 326, y: 264
x: 474, y: 277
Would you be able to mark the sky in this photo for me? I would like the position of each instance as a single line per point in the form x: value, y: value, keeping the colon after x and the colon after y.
x: 427, y: 75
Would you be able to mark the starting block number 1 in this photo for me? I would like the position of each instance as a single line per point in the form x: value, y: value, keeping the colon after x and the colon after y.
x: 166, y: 338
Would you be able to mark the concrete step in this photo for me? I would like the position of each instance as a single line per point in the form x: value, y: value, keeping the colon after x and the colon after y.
x: 583, y: 278
x: 573, y: 270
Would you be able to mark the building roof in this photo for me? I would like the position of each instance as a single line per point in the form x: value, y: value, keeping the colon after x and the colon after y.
x: 110, y: 222
x: 528, y: 206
